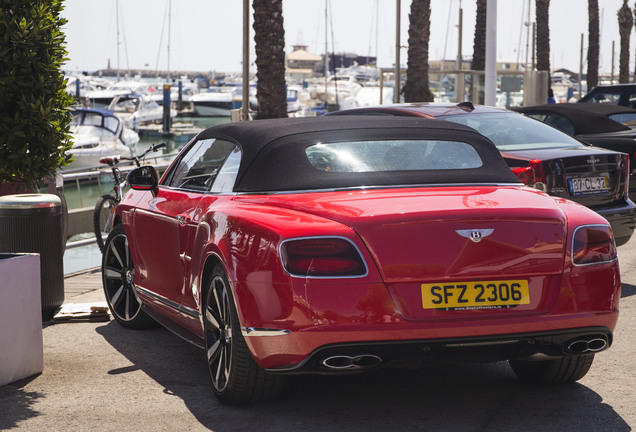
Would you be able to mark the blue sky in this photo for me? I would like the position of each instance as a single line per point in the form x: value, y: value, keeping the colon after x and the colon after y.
x: 205, y: 35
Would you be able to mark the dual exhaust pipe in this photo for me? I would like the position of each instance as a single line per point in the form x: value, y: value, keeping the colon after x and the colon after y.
x: 351, y: 363
x: 586, y: 345
x: 367, y: 361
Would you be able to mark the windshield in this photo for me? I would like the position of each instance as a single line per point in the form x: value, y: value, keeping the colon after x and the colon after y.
x: 511, y: 131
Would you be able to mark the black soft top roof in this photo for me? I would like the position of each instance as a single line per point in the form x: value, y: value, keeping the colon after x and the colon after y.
x: 587, y: 118
x: 274, y: 158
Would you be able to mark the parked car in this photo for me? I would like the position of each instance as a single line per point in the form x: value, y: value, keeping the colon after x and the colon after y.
x: 541, y: 156
x: 334, y: 245
x: 617, y: 94
x: 603, y: 125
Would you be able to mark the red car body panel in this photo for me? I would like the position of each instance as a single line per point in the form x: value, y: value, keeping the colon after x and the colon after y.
x: 175, y: 233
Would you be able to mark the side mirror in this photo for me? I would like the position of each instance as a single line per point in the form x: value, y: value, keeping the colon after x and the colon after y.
x: 143, y: 178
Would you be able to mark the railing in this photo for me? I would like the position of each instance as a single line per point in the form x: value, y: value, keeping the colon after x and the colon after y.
x: 78, y: 178
x: 97, y: 172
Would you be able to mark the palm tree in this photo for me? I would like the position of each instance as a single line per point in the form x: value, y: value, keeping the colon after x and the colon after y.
x: 625, y: 23
x: 479, y: 53
x: 479, y: 42
x: 635, y: 29
x: 269, y: 35
x: 416, y: 88
x: 593, y: 43
x: 543, y: 36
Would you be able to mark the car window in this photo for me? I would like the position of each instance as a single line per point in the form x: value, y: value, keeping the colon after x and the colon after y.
x: 392, y: 155
x: 198, y: 167
x: 559, y: 122
x: 224, y: 182
x: 511, y: 131
x: 628, y: 119
x: 606, y: 97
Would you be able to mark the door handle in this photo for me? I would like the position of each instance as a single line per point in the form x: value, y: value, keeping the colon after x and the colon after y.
x: 183, y: 219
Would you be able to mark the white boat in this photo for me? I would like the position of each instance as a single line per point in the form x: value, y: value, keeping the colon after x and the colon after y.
x: 370, y: 96
x: 341, y: 87
x: 137, y: 110
x: 98, y: 133
x: 103, y: 98
x: 86, y: 85
x: 217, y: 101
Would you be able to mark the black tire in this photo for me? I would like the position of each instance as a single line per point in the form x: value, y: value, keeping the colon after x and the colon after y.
x: 104, y: 218
x: 564, y: 370
x: 118, y: 274
x: 235, y: 376
x: 622, y: 240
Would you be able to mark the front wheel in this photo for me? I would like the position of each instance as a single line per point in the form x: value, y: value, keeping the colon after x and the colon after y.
x: 118, y: 277
x: 104, y: 218
x: 563, y: 370
x: 236, y: 377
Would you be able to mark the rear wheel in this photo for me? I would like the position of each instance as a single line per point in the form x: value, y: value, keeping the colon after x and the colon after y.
x: 118, y: 275
x: 104, y: 218
x: 622, y: 240
x: 563, y: 370
x: 236, y: 377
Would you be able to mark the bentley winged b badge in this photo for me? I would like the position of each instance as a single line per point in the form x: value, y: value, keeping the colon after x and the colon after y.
x: 475, y: 234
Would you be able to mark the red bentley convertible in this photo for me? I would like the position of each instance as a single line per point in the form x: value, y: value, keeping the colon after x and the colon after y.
x: 340, y: 244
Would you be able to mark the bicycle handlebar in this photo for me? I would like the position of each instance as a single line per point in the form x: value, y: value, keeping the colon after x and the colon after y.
x: 152, y: 148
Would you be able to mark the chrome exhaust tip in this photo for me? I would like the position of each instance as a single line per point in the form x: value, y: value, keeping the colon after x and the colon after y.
x: 345, y: 362
x: 581, y: 346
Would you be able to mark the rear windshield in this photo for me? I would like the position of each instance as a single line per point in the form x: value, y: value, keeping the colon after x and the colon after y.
x: 392, y: 155
x: 513, y: 131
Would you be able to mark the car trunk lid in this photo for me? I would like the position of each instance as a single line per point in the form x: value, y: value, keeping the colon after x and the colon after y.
x: 431, y: 237
x: 590, y: 176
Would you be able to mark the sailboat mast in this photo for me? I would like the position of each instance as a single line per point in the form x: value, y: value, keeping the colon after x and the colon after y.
x: 326, y: 54
x: 169, y: 28
x: 117, y: 24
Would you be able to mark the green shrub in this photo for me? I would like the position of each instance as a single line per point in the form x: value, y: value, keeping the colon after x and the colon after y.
x: 34, y: 115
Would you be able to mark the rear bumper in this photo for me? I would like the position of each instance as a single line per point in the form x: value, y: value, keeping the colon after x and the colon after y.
x: 356, y: 357
x: 622, y: 219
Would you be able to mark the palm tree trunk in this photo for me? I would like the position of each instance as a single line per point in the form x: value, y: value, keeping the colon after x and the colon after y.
x: 543, y: 36
x: 479, y: 41
x: 625, y: 23
x: 416, y: 88
x: 269, y: 36
x: 593, y: 44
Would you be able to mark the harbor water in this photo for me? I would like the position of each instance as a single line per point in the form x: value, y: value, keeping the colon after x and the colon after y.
x: 83, y: 194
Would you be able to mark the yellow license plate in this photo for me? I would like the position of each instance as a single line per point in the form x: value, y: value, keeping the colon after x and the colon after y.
x: 475, y: 295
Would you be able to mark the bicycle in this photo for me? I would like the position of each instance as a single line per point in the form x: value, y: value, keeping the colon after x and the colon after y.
x: 104, y: 214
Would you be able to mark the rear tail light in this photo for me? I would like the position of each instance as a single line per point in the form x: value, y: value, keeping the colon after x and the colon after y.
x: 593, y: 244
x: 532, y: 175
x: 322, y: 257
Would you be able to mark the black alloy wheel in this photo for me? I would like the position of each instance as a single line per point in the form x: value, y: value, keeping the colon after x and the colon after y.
x: 236, y: 378
x: 118, y: 276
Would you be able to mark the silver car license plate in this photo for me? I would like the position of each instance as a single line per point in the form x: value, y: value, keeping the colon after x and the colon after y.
x: 588, y: 185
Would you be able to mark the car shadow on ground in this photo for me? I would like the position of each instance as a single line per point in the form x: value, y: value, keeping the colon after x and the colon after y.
x: 627, y: 290
x: 448, y: 397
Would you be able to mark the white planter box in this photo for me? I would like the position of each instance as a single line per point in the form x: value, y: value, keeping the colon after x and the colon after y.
x: 21, y: 350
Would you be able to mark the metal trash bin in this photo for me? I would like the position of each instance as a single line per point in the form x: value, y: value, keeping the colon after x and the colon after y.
x: 33, y: 223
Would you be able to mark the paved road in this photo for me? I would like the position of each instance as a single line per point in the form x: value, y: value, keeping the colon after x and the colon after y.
x: 102, y: 377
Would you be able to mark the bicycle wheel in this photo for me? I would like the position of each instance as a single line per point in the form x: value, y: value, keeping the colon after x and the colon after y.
x: 103, y: 218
